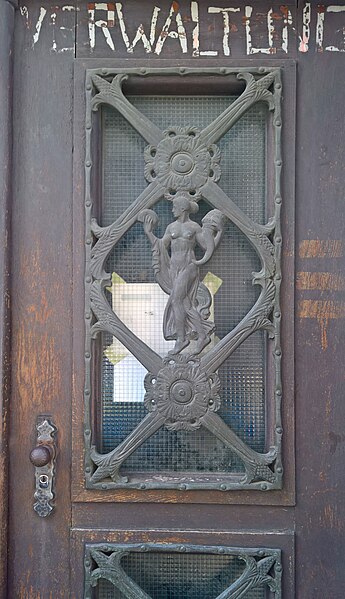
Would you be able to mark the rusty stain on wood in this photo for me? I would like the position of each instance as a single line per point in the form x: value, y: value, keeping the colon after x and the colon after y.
x: 322, y: 311
x: 322, y: 281
x: 321, y: 248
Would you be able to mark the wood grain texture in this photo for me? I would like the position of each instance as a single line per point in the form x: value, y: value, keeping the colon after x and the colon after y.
x: 41, y: 291
x: 6, y: 65
x: 42, y: 317
x: 320, y: 409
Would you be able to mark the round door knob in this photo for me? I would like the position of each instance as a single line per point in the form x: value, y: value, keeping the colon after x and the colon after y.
x: 41, y: 455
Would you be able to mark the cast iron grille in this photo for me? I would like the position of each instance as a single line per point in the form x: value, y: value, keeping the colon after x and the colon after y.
x: 158, y: 401
x: 191, y: 573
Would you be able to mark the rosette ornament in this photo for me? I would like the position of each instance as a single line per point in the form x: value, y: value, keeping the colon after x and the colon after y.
x: 182, y: 161
x: 182, y: 392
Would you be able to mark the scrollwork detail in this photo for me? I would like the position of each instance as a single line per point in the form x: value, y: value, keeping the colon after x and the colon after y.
x: 182, y: 164
x: 262, y: 568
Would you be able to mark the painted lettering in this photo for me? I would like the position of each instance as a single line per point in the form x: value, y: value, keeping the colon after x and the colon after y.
x: 101, y: 23
x: 196, y: 31
x: 140, y: 34
x: 180, y: 34
x: 225, y: 12
x: 321, y: 12
x: 108, y: 20
x: 304, y: 39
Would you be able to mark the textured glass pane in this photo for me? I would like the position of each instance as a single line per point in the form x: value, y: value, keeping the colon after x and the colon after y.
x: 139, y: 301
x: 176, y: 576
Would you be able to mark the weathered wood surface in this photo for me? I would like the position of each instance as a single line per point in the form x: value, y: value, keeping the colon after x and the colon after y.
x: 42, y: 285
x: 41, y: 299
x: 6, y: 64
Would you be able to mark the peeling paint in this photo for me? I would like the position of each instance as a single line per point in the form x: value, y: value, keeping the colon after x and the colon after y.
x: 323, y: 312
x: 327, y: 309
x: 195, y: 35
x: 101, y: 23
x: 140, y: 34
x: 270, y: 31
x: 226, y: 20
x: 180, y: 34
x: 25, y: 13
x: 321, y: 14
x: 287, y: 21
x: 53, y: 22
x: 321, y: 248
x: 247, y: 15
x: 322, y: 281
x: 319, y: 29
x: 304, y: 39
x: 36, y: 35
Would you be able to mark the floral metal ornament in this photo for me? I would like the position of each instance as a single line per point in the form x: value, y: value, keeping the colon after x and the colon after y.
x: 182, y: 393
x: 182, y: 161
x: 182, y: 389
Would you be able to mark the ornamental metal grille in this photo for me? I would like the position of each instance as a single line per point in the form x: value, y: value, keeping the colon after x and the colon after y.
x: 175, y: 572
x: 183, y: 285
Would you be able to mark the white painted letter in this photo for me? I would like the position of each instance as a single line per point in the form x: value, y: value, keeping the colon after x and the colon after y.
x: 270, y: 31
x: 304, y: 40
x: 140, y: 34
x: 104, y: 25
x: 320, y: 27
x: 196, y: 41
x: 36, y: 35
x: 287, y: 21
x: 180, y: 33
x: 270, y: 28
x: 225, y: 12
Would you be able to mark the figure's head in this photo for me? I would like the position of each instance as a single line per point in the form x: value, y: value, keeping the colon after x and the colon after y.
x: 181, y: 204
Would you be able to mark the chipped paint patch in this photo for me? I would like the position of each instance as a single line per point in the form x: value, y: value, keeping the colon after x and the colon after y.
x: 323, y: 312
x: 321, y: 248
x: 322, y: 281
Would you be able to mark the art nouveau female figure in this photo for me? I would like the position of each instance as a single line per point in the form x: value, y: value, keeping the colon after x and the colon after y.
x: 177, y: 273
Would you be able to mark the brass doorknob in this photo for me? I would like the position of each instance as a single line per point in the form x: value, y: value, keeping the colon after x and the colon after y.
x: 41, y: 455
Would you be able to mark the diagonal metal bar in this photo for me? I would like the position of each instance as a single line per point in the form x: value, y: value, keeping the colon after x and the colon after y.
x: 253, y: 460
x: 109, y: 236
x: 109, y: 568
x: 256, y: 234
x: 257, y: 318
x: 254, y: 575
x: 256, y: 90
x: 110, y: 322
x: 111, y: 94
x: 108, y: 465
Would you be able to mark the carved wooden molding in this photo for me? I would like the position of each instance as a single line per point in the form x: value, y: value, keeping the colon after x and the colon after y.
x: 182, y: 166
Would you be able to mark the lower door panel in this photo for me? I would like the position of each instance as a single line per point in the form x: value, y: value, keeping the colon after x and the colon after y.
x: 182, y: 565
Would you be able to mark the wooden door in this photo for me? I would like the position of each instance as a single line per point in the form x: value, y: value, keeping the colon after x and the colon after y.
x: 196, y: 408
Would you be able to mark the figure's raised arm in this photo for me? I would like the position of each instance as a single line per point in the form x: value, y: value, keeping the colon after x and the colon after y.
x: 150, y: 220
x: 210, y: 235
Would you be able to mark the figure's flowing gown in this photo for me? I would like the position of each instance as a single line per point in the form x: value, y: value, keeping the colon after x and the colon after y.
x: 168, y: 271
